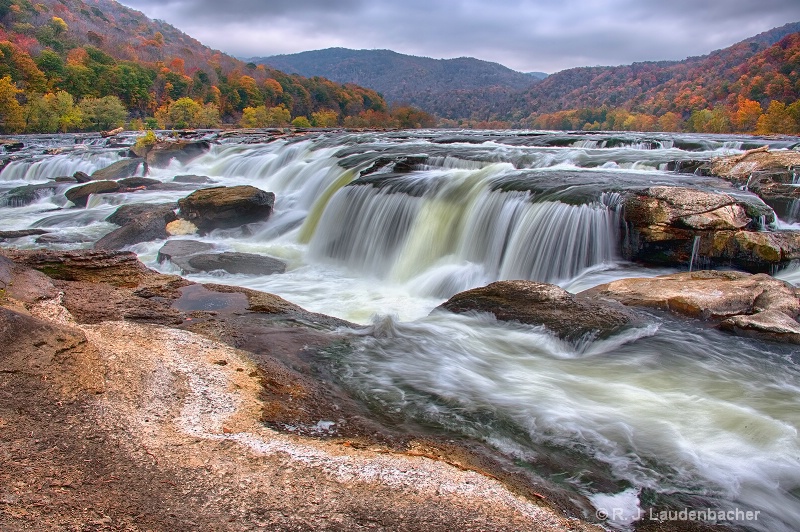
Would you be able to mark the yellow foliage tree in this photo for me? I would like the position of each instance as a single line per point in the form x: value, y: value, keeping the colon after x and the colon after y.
x: 12, y: 118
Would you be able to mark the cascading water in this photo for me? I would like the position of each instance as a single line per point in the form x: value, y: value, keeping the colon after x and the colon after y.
x: 668, y: 413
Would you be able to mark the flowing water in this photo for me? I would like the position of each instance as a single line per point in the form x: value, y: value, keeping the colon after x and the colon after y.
x: 381, y: 228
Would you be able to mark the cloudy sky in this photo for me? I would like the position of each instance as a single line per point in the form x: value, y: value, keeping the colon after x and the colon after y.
x: 526, y: 35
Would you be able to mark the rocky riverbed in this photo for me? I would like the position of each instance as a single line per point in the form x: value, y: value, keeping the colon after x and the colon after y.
x: 518, y: 281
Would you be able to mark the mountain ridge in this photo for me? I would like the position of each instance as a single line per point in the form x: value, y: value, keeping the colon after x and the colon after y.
x: 403, y: 78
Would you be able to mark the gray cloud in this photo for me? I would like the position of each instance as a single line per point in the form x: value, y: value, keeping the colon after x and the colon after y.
x: 527, y: 35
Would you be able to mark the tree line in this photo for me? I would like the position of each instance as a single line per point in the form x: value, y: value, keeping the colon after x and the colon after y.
x: 56, y: 79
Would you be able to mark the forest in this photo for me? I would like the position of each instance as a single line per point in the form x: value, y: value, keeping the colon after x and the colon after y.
x: 67, y: 65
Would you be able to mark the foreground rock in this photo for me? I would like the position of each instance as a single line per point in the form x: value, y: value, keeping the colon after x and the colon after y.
x: 752, y: 305
x: 139, y: 223
x: 570, y: 317
x: 125, y: 410
x: 667, y: 225
x: 226, y: 207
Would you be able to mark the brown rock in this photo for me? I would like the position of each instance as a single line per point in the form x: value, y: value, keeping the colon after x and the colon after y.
x: 120, y: 170
x: 117, y: 268
x: 57, y: 354
x: 570, y: 317
x: 184, y: 151
x: 80, y: 194
x: 142, y: 223
x: 716, y: 295
x: 770, y: 324
x: 226, y: 207
x: 23, y: 284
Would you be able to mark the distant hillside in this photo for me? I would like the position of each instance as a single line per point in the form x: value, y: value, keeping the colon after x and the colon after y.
x: 428, y: 83
x: 93, y: 49
x: 747, y: 68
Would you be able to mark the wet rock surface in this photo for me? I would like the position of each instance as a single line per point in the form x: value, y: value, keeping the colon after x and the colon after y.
x: 569, y: 317
x: 121, y: 169
x: 80, y: 195
x: 27, y: 194
x: 772, y: 175
x: 139, y: 223
x: 668, y: 225
x: 94, y: 397
x: 226, y: 207
x: 183, y: 151
x: 755, y: 305
x: 179, y: 251
x: 233, y: 262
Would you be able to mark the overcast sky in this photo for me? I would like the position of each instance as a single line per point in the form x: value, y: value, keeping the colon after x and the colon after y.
x: 526, y: 35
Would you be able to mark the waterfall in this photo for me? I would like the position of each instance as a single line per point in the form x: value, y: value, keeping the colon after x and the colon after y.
x: 695, y: 249
x: 463, y: 233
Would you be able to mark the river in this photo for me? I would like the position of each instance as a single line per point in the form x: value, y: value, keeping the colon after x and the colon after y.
x: 673, y: 414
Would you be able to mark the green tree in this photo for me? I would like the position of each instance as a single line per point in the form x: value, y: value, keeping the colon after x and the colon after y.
x: 207, y: 116
x: 325, y: 118
x: 103, y: 113
x: 301, y: 121
x: 52, y: 65
x: 181, y: 113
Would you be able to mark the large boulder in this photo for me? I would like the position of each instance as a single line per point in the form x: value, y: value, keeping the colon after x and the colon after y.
x: 80, y: 195
x: 737, y: 301
x: 141, y: 223
x: 226, y: 207
x: 668, y: 225
x: 120, y: 170
x: 162, y: 154
x: 233, y: 262
x: 569, y: 317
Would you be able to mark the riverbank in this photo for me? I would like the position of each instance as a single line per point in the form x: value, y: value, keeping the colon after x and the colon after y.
x: 141, y: 424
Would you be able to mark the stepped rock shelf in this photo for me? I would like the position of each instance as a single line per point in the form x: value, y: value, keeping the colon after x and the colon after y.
x: 411, y: 329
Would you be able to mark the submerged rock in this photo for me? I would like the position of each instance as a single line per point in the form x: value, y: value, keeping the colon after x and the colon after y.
x: 162, y: 154
x: 568, y: 316
x: 80, y: 195
x: 233, y: 262
x: 178, y: 252
x: 226, y: 207
x: 193, y: 179
x: 27, y: 194
x: 120, y: 170
x: 740, y: 301
x: 19, y: 233
x: 140, y: 223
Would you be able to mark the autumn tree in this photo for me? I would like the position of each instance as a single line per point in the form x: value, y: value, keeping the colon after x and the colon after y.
x: 776, y: 120
x: 324, y: 118
x: 746, y: 116
x: 12, y: 118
